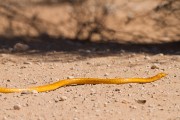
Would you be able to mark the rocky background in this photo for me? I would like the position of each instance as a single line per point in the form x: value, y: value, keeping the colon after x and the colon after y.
x: 132, y: 21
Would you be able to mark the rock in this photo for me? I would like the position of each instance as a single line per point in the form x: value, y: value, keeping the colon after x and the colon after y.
x: 88, y: 63
x: 106, y: 74
x: 141, y: 101
x: 29, y: 92
x: 154, y: 66
x: 8, y: 80
x: 17, y: 107
x: 92, y: 91
x: 75, y: 118
x: 70, y: 77
x: 20, y: 47
x: 161, y: 54
x: 105, y: 104
x: 125, y: 101
x: 147, y: 58
x: 117, y: 89
x: 27, y: 63
x: 62, y: 98
x: 5, y: 118
x: 132, y: 107
x: 88, y: 51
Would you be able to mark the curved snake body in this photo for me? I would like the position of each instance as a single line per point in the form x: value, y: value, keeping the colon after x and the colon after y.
x: 77, y: 81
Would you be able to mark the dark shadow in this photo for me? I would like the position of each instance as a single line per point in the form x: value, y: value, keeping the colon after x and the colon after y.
x: 45, y: 43
x: 83, y: 48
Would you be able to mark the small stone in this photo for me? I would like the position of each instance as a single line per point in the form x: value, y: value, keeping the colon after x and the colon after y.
x: 108, y: 65
x: 63, y: 98
x: 132, y: 106
x: 161, y: 54
x: 154, y: 84
x: 8, y: 80
x: 116, y: 100
x: 117, y: 89
x: 71, y: 68
x: 22, y: 67
x: 141, y: 101
x: 154, y: 66
x: 88, y: 51
x: 88, y: 63
x: 56, y: 100
x: 5, y: 118
x: 105, y: 104
x: 20, y: 47
x: 125, y: 102
x: 27, y: 63
x: 70, y: 77
x: 17, y: 107
x: 122, y: 51
x: 25, y: 92
x: 92, y: 91
x: 34, y: 91
x: 106, y: 74
x: 29, y: 92
x: 147, y: 58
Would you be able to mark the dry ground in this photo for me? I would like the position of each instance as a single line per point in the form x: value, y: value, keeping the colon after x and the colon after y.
x: 49, y: 59
x: 158, y: 100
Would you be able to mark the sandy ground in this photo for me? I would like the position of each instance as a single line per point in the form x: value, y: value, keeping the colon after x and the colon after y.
x: 41, y: 25
x: 159, y: 100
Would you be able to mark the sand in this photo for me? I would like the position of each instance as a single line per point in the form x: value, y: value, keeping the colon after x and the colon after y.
x: 159, y: 100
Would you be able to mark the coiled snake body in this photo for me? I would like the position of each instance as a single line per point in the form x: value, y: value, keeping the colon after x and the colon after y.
x: 77, y: 81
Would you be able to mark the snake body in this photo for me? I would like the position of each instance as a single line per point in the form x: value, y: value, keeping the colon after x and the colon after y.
x: 77, y: 81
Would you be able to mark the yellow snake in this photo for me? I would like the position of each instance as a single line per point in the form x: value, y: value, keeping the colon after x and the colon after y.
x: 77, y: 81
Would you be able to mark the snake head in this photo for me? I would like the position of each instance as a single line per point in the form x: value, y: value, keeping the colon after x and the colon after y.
x: 160, y: 75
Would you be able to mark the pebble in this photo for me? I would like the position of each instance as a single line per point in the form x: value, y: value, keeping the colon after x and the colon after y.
x: 122, y: 51
x: 105, y: 104
x: 71, y: 68
x: 154, y: 66
x: 5, y: 118
x: 29, y: 92
x: 34, y: 91
x: 147, y: 58
x: 20, y: 47
x: 63, y: 98
x: 108, y: 65
x: 132, y: 106
x: 125, y: 102
x: 154, y: 84
x: 117, y: 89
x: 88, y: 51
x: 8, y: 80
x: 93, y: 91
x: 88, y: 63
x: 106, y: 74
x: 70, y: 77
x: 141, y: 101
x: 17, y: 107
x: 27, y: 63
x: 75, y: 118
x: 161, y: 54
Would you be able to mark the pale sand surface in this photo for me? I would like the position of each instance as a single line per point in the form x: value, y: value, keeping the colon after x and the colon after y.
x: 159, y: 100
